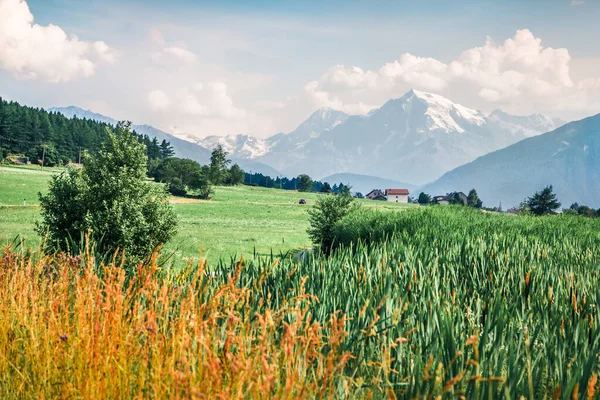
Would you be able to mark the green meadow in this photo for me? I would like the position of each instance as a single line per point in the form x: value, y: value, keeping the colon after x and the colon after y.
x: 237, y: 221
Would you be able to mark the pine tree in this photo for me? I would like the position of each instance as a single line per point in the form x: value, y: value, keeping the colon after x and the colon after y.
x: 166, y: 150
x: 543, y: 202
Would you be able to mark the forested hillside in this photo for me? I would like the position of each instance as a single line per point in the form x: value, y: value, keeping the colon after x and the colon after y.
x: 36, y: 134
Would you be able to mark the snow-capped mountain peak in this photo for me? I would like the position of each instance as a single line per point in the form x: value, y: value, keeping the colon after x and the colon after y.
x: 431, y: 112
x: 242, y: 146
x: 527, y: 125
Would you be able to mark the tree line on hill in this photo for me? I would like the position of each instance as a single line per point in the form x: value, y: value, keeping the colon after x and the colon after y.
x: 301, y: 183
x: 49, y: 138
x: 38, y: 135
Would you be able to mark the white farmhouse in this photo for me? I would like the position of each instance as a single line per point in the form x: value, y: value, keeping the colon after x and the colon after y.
x: 397, y: 195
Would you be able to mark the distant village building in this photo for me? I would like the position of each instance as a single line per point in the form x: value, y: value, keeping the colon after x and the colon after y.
x: 451, y: 198
x: 376, y: 194
x: 397, y: 195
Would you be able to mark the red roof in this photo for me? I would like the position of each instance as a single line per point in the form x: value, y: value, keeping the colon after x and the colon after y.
x: 392, y: 192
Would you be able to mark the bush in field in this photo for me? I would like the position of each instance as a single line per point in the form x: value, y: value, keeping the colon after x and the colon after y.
x: 182, y: 176
x: 111, y: 199
x: 323, y: 217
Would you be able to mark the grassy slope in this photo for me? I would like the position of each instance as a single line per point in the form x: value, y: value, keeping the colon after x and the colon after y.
x: 236, y: 222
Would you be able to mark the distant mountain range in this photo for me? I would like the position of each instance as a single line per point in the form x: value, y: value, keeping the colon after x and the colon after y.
x: 416, y: 138
x: 411, y: 141
x: 567, y: 158
x: 183, y: 148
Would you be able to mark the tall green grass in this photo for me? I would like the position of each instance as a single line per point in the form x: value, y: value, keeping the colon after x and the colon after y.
x: 451, y: 300
x: 436, y: 302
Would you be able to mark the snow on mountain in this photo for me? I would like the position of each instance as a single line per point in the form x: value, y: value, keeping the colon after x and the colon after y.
x: 527, y: 126
x: 445, y: 115
x: 415, y: 138
x: 240, y: 146
x: 185, y: 147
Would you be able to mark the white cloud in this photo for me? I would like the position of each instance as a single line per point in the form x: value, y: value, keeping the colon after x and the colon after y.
x: 518, y: 72
x: 158, y: 100
x: 270, y: 104
x: 191, y: 105
x: 577, y: 2
x: 181, y: 54
x: 212, y: 100
x: 32, y: 51
x: 428, y: 73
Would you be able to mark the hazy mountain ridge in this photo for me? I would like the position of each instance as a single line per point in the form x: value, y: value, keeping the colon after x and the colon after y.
x: 183, y: 148
x: 567, y: 158
x: 415, y: 138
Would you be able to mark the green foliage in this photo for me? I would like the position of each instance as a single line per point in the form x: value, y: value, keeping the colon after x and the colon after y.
x: 543, y: 202
x: 48, y: 154
x: 166, y: 150
x: 110, y: 199
x: 473, y: 199
x: 324, y: 216
x: 455, y: 295
x: 424, y: 198
x: 304, y: 183
x: 585, y: 211
x: 218, y: 165
x: 183, y: 176
x: 26, y: 130
x: 455, y: 199
x: 326, y: 188
x: 235, y: 176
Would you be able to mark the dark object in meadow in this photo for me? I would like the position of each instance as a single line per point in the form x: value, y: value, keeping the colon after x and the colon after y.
x: 302, y: 201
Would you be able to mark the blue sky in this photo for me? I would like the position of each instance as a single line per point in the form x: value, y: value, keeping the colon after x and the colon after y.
x: 199, y: 68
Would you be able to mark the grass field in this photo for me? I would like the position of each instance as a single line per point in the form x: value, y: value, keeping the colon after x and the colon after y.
x: 432, y: 303
x: 237, y: 221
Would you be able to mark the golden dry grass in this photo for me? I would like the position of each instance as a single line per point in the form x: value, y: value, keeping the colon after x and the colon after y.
x: 69, y: 330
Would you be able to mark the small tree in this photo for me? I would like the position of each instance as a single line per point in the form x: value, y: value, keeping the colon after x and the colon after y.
x: 424, y: 198
x: 235, y: 175
x: 543, y: 202
x: 323, y: 217
x: 473, y: 199
x: 218, y: 165
x: 166, y: 150
x: 304, y: 183
x: 326, y: 188
x: 111, y: 199
x: 345, y: 190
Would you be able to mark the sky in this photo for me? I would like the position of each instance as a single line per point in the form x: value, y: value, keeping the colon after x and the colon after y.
x: 203, y: 68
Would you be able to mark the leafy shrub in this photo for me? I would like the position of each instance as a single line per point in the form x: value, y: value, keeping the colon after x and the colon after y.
x: 111, y: 199
x: 324, y: 216
x: 183, y: 177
